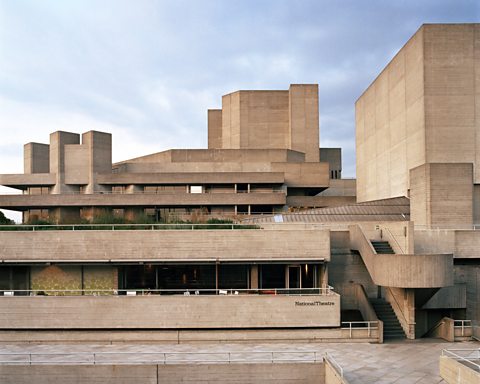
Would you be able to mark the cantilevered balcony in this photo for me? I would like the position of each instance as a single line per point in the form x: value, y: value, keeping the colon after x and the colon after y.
x: 185, y: 245
x: 23, y: 202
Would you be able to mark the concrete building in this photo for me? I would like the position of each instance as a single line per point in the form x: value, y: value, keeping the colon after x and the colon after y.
x: 244, y: 240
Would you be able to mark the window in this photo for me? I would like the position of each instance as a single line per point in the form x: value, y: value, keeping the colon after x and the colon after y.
x: 196, y: 189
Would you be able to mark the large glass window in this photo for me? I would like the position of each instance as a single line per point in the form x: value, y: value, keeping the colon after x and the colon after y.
x: 272, y: 276
x: 232, y: 276
x: 186, y: 276
x: 14, y: 278
x: 150, y: 276
x: 140, y: 277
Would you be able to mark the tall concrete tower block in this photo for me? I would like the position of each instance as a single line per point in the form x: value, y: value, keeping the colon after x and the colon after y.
x: 422, y: 111
x: 268, y: 120
x: 58, y: 141
x: 303, y: 120
x: 99, y: 156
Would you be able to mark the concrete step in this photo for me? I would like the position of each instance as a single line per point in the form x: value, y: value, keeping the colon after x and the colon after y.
x: 391, y: 326
x: 382, y: 247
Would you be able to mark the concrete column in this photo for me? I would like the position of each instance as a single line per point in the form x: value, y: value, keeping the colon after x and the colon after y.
x: 304, y: 120
x: 254, y: 276
x: 322, y: 275
x: 58, y: 140
x: 99, y: 160
x: 65, y: 215
x: 214, y: 128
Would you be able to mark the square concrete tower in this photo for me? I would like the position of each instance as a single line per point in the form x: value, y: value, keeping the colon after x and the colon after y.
x: 268, y: 120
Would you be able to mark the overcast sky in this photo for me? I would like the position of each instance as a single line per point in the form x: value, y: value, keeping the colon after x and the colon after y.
x: 147, y: 71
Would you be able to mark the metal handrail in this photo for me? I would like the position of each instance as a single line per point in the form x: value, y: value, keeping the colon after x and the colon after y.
x: 112, y: 227
x: 467, y: 359
x: 228, y: 357
x: 159, y: 192
x: 390, y: 234
x: 368, y: 325
x: 323, y: 291
x: 462, y: 325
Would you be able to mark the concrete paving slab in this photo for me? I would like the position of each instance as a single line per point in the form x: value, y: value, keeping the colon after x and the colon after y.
x: 404, y: 362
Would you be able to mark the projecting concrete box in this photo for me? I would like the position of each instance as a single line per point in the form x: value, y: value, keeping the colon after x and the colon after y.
x: 170, y: 312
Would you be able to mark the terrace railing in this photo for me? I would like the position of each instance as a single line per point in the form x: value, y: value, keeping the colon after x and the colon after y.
x: 468, y: 357
x: 355, y: 326
x: 184, y: 292
x: 463, y: 326
x: 120, y: 227
x: 103, y: 358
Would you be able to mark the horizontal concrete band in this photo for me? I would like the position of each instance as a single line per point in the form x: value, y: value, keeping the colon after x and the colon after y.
x: 181, y: 245
x: 169, y: 312
x: 308, y: 373
x: 191, y: 178
x: 32, y: 179
x: 99, y: 336
x: 141, y: 199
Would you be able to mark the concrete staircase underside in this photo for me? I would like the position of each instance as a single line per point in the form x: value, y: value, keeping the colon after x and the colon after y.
x: 391, y: 326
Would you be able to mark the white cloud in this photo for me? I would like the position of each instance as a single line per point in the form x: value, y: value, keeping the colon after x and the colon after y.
x: 22, y: 122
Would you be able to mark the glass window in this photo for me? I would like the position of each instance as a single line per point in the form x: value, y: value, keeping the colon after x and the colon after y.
x: 272, y: 276
x: 232, y: 276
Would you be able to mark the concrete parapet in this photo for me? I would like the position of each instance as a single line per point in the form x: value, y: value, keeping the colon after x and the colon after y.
x: 166, y: 245
x: 248, y: 373
x: 454, y: 371
x: 169, y: 312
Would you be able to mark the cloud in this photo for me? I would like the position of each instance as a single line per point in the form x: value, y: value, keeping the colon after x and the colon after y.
x: 147, y: 71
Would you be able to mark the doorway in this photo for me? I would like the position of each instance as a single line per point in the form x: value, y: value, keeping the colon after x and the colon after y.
x: 294, y: 276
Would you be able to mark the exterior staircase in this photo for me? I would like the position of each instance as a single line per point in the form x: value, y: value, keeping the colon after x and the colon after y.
x: 391, y: 326
x: 382, y: 247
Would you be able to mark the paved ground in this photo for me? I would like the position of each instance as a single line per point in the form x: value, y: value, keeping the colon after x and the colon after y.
x: 403, y: 362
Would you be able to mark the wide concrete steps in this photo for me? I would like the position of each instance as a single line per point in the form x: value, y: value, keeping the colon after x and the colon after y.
x: 391, y: 326
x: 382, y: 247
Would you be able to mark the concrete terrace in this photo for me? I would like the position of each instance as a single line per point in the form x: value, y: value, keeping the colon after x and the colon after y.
x: 403, y: 362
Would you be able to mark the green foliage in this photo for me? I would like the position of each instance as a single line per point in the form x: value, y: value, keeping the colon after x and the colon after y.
x: 214, y: 220
x: 37, y: 221
x: 5, y: 220
x: 107, y: 218
x: 142, y: 218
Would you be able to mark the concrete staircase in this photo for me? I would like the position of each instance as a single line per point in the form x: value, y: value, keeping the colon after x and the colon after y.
x: 391, y: 326
x: 382, y: 247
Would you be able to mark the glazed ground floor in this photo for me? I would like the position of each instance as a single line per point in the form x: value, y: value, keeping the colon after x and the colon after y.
x: 54, y: 278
